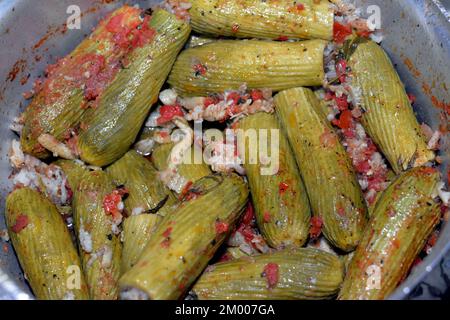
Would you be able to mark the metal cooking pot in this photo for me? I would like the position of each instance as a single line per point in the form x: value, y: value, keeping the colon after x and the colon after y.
x: 417, y: 38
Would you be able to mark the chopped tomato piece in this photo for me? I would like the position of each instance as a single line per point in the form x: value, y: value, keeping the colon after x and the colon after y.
x: 131, y: 35
x: 411, y: 98
x: 235, y: 97
x: 428, y: 170
x: 249, y: 215
x: 256, y: 95
x: 297, y: 8
x: 21, y: 223
x: 341, y: 211
x: 282, y: 38
x: 329, y: 95
x: 221, y: 227
x: 111, y: 202
x: 225, y: 257
x: 209, y: 101
x: 248, y: 233
x: 115, y: 23
x: 266, y: 217
x: 345, y: 120
x: 364, y: 34
x: 163, y: 134
x: 341, y: 102
x: 167, y: 113
x: 341, y: 70
x: 341, y: 32
x: 199, y: 69
x: 271, y: 272
x: 282, y: 187
x: 316, y: 227
x: 167, y: 232
x: 165, y: 243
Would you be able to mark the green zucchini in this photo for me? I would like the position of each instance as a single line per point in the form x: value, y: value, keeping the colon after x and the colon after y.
x: 146, y: 193
x: 73, y: 171
x: 404, y: 217
x: 188, y: 169
x: 98, y: 241
x: 58, y: 108
x: 334, y: 193
x: 44, y: 246
x: 228, y: 64
x: 280, y: 200
x: 186, y: 240
x: 388, y: 116
x: 289, y: 274
x: 137, y: 231
x: 270, y: 19
x: 114, y: 125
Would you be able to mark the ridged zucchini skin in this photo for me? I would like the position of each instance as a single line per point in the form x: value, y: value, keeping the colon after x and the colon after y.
x: 140, y: 178
x: 303, y: 274
x: 388, y: 118
x: 269, y: 19
x: 188, y: 169
x: 227, y: 64
x: 115, y: 123
x: 90, y: 216
x: 187, y: 239
x: 334, y: 193
x: 281, y: 203
x: 73, y: 170
x: 44, y: 247
x: 137, y: 231
x: 58, y: 107
x: 403, y: 218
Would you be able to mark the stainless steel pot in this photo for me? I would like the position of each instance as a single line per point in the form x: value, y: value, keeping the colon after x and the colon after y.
x: 32, y: 34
